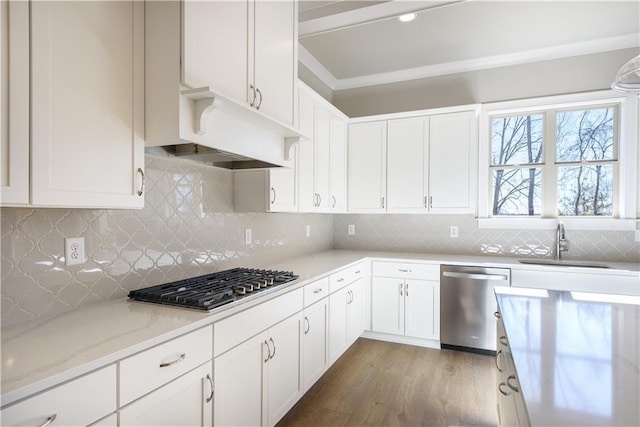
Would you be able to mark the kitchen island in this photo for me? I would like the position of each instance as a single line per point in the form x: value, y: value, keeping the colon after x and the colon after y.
x: 576, y: 357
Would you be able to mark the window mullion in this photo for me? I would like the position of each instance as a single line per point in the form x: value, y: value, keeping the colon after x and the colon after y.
x: 550, y: 170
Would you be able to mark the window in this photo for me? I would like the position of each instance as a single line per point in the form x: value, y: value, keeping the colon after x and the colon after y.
x: 563, y: 159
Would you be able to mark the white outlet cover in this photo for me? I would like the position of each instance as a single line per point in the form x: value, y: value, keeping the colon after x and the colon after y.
x: 247, y: 236
x: 351, y: 229
x: 453, y: 232
x: 308, y: 230
x: 74, y: 250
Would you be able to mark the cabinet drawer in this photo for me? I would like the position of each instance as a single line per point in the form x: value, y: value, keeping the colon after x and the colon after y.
x: 148, y: 370
x: 238, y: 328
x: 342, y: 278
x: 406, y: 270
x: 78, y: 402
x: 316, y: 291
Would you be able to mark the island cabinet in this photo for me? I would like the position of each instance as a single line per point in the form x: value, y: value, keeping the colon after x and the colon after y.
x: 257, y: 370
x: 322, y: 167
x: 405, y: 299
x: 73, y: 114
x: 346, y: 307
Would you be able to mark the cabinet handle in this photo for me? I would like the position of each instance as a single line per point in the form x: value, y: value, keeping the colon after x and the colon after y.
x: 401, y: 289
x: 253, y: 100
x: 319, y: 199
x: 274, y: 348
x: 382, y: 202
x: 266, y: 344
x: 273, y: 191
x: 317, y: 291
x: 210, y: 398
x: 333, y: 204
x: 406, y: 289
x: 512, y: 387
x: 498, y: 357
x: 340, y: 280
x: 430, y: 202
x: 173, y: 362
x: 306, y: 320
x: 141, y: 190
x: 425, y: 202
x: 497, y: 314
x: 259, y: 102
x: 500, y: 388
x: 503, y: 341
x: 49, y: 420
x: 403, y: 270
x: 358, y: 272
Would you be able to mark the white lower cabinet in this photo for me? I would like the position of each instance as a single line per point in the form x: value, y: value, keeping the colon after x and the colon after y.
x: 186, y: 401
x: 345, y: 318
x: 405, y: 299
x: 314, y: 342
x: 81, y: 401
x: 258, y: 381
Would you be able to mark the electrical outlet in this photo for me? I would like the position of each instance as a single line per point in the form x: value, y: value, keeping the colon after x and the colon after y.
x: 351, y: 229
x: 74, y: 250
x: 247, y: 236
x: 308, y: 231
x: 453, y: 232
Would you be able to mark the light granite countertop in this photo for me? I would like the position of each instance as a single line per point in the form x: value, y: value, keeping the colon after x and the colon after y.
x: 39, y: 355
x: 576, y: 355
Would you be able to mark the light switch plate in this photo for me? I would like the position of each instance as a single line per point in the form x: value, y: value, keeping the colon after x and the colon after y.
x: 74, y: 250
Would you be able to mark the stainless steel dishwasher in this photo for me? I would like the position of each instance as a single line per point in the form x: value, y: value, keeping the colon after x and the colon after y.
x: 467, y: 304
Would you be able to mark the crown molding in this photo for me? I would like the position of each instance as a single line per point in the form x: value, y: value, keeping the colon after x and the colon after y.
x: 487, y: 62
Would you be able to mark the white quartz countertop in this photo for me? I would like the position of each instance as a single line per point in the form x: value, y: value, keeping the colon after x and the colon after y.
x: 576, y: 355
x: 42, y: 354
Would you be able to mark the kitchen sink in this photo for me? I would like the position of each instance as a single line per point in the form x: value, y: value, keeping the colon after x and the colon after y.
x: 563, y: 263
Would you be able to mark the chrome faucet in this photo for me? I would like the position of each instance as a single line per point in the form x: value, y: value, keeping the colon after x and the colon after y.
x: 562, y: 244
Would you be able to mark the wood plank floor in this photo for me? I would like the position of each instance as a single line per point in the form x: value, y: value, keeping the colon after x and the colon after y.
x: 386, y: 384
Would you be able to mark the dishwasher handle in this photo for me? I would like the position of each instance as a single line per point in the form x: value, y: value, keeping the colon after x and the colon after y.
x: 475, y: 276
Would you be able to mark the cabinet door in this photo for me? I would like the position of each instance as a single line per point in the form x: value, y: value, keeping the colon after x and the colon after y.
x: 451, y: 167
x: 14, y: 95
x: 275, y: 67
x: 238, y: 381
x: 186, y: 401
x: 338, y: 164
x: 387, y: 305
x: 421, y: 297
x: 354, y: 312
x: 214, y: 47
x: 338, y: 323
x: 282, y: 190
x: 407, y: 175
x: 322, y: 158
x: 284, y: 386
x: 366, y: 171
x: 305, y: 162
x: 87, y: 118
x: 314, y: 344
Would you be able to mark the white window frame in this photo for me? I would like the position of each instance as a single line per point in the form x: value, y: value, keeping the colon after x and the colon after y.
x: 626, y: 208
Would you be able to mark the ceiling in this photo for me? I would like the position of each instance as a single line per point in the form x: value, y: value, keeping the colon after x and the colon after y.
x: 350, y: 44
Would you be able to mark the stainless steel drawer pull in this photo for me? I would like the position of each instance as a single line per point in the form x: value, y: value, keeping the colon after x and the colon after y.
x: 512, y: 387
x: 266, y: 344
x: 173, y: 362
x: 274, y: 348
x: 497, y: 314
x: 210, y: 398
x: 500, y: 388
x: 317, y: 291
x: 273, y: 191
x: 475, y: 276
x: 308, y: 325
x: 404, y: 270
x: 503, y: 341
x: 141, y: 190
x: 498, y: 357
x: 340, y: 280
x: 49, y: 420
x: 358, y: 272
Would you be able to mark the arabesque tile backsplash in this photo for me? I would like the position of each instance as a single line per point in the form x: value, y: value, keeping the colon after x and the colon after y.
x: 188, y: 227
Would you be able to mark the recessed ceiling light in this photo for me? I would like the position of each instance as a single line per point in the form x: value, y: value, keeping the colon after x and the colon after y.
x: 407, y: 17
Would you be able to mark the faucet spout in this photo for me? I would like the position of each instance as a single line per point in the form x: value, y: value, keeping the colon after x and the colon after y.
x: 562, y: 244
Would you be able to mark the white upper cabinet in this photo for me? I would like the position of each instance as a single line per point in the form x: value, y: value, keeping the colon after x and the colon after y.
x: 86, y: 72
x: 452, y: 162
x: 245, y: 50
x: 367, y: 166
x: 407, y: 160
x: 14, y: 128
x: 321, y: 161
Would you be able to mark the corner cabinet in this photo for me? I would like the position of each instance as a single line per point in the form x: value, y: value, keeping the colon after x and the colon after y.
x: 87, y: 98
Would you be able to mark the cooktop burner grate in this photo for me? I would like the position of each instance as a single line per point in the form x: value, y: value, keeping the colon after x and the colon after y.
x: 213, y: 290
